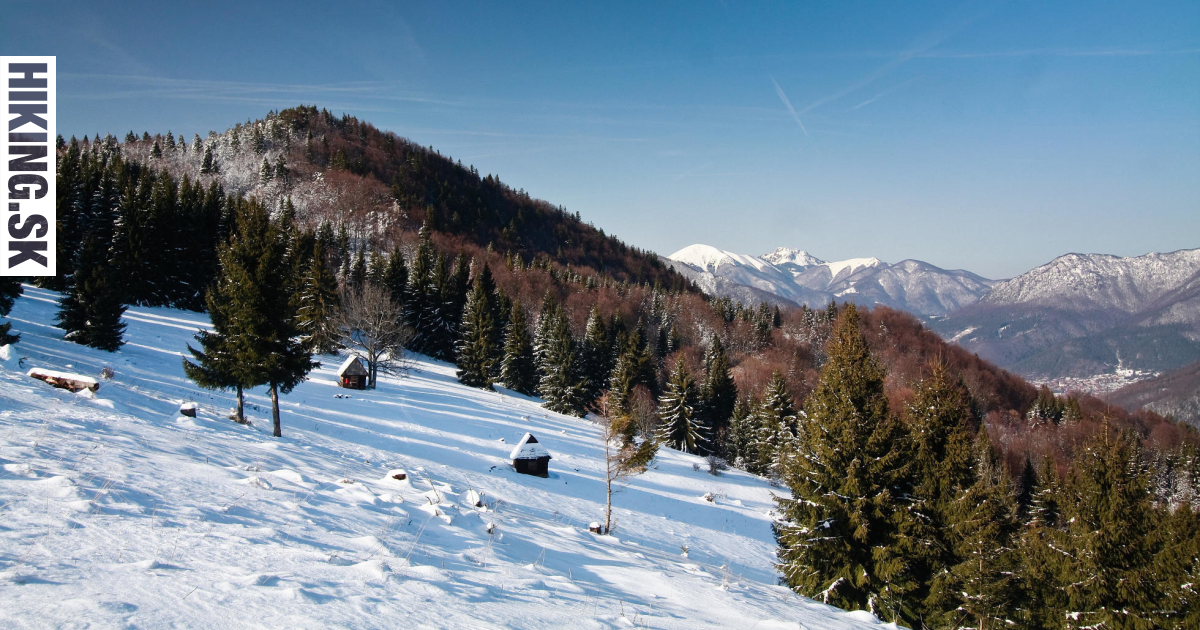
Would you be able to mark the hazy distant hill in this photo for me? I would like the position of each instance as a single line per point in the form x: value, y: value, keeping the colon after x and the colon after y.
x: 797, y: 276
x: 1084, y: 314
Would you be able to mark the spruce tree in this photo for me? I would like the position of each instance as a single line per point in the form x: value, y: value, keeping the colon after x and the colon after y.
x: 256, y: 338
x: 682, y: 426
x: 91, y: 310
x: 981, y: 586
x: 422, y: 293
x: 941, y: 420
x: 395, y: 277
x: 265, y: 172
x: 358, y: 273
x: 1109, y: 521
x: 317, y: 303
x: 777, y: 426
x: 10, y: 290
x: 838, y: 535
x: 517, y: 371
x: 719, y: 395
x: 477, y: 350
x: 1042, y: 554
x: 595, y: 355
x: 742, y: 446
x: 561, y: 385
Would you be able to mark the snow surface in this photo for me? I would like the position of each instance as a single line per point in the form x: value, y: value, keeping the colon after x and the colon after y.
x: 115, y: 511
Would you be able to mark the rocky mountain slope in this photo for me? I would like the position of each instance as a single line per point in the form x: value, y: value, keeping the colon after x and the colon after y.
x: 799, y: 277
x: 1085, y: 314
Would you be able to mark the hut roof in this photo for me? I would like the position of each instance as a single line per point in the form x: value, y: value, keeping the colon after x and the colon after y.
x: 352, y: 367
x: 528, y: 448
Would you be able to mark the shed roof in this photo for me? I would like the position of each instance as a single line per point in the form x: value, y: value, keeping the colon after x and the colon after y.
x: 528, y: 448
x: 352, y: 366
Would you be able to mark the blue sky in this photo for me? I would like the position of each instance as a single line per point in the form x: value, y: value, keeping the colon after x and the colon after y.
x: 988, y: 136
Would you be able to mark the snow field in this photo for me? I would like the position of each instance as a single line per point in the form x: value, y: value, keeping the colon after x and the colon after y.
x: 117, y: 511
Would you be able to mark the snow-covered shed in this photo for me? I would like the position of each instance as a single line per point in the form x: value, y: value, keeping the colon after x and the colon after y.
x: 352, y: 374
x: 531, y: 458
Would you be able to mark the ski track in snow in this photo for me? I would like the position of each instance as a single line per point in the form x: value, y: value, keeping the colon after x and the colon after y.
x: 117, y: 511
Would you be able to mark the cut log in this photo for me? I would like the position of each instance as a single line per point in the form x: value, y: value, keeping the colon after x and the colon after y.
x: 65, y: 380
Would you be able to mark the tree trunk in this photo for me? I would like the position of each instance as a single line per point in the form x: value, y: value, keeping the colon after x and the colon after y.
x: 278, y: 432
x: 241, y: 415
x: 608, y: 503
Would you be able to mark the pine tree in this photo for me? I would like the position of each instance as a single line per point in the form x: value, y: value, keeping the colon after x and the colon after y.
x: 91, y: 310
x: 477, y: 350
x: 10, y: 290
x: 682, y: 427
x: 838, y: 540
x: 517, y: 371
x: 1109, y: 577
x: 983, y: 525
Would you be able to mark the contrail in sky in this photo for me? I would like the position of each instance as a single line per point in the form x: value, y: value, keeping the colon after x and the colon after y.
x: 788, y: 104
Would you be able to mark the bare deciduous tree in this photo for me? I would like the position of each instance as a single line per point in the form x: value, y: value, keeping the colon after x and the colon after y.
x: 371, y: 327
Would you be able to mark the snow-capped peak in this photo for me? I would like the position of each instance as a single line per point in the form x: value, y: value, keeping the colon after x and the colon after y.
x: 787, y: 255
x: 852, y: 264
x: 709, y: 258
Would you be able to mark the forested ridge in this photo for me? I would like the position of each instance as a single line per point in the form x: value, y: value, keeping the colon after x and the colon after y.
x: 927, y: 485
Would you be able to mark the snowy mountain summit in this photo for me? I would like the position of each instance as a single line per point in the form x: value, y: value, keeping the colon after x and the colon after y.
x: 794, y: 275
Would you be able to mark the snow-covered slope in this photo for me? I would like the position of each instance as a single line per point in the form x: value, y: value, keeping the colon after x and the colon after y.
x: 802, y: 278
x: 116, y: 511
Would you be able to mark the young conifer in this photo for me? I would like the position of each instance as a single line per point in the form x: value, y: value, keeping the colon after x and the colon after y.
x: 682, y: 426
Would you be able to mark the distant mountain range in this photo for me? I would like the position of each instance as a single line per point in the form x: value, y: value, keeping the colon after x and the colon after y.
x: 798, y: 277
x: 1077, y: 316
x: 1085, y: 314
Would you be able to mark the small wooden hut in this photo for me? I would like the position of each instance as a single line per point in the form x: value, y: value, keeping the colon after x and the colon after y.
x: 352, y: 374
x: 531, y: 458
